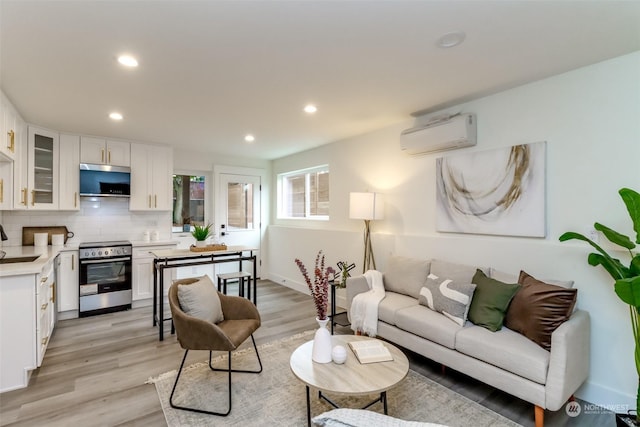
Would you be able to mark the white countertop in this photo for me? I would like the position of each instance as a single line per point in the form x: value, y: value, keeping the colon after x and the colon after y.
x: 46, y: 253
x: 143, y: 243
x: 178, y: 253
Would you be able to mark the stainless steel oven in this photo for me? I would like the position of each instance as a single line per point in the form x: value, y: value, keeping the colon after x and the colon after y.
x: 105, y: 277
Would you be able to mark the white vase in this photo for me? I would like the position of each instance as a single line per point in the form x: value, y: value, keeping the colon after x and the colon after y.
x: 322, y: 343
x: 201, y: 243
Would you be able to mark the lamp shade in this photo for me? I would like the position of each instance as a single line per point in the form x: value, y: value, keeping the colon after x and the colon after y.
x: 368, y: 206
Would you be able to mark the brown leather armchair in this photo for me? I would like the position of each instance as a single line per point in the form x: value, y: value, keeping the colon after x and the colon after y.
x: 241, y: 319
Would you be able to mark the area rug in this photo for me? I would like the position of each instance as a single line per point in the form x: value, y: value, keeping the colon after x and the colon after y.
x: 277, y: 398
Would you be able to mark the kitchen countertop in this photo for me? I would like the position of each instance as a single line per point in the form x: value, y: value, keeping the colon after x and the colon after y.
x: 142, y: 243
x: 186, y: 253
x: 46, y: 253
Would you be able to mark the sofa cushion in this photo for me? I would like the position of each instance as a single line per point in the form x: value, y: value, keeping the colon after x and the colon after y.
x: 459, y: 273
x: 511, y: 278
x: 200, y: 299
x: 505, y: 349
x: 490, y: 301
x: 445, y: 296
x: 426, y: 323
x: 538, y: 308
x: 406, y: 275
x: 391, y: 303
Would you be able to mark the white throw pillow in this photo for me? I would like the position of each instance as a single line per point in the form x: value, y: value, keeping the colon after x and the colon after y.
x: 447, y: 297
x: 200, y: 299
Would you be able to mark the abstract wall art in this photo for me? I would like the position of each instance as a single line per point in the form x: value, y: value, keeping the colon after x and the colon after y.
x: 499, y: 191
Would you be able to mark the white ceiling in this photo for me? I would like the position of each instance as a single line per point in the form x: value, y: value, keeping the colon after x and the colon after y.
x: 212, y: 71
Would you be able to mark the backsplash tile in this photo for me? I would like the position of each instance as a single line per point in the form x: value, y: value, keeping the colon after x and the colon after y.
x: 106, y: 219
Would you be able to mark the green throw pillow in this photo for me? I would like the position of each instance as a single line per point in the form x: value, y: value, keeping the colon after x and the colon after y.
x: 490, y: 301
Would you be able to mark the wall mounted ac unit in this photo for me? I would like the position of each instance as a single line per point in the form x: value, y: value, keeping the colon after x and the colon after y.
x: 454, y: 132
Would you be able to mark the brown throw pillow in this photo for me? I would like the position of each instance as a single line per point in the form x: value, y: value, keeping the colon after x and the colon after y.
x: 538, y: 308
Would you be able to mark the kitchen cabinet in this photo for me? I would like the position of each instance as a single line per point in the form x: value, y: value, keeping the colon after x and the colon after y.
x: 102, y: 151
x: 142, y: 276
x: 6, y: 185
x: 20, y: 172
x: 8, y: 131
x: 151, y: 178
x: 68, y: 278
x: 69, y: 173
x: 27, y: 320
x: 45, y: 308
x: 42, y: 169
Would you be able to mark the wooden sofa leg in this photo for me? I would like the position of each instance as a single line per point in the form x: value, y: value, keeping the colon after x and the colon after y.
x: 539, y: 416
x: 443, y: 369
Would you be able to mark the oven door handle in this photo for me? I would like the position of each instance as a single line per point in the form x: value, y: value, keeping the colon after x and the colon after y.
x: 104, y: 261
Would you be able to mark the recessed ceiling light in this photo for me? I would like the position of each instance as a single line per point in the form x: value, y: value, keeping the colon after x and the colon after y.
x: 310, y: 109
x: 128, y: 61
x: 115, y: 116
x: 451, y: 39
x: 249, y: 138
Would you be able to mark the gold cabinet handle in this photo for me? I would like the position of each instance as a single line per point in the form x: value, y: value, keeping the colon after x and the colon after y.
x: 155, y: 200
x: 1, y: 190
x: 109, y: 157
x: 23, y: 199
x: 33, y: 197
x: 102, y: 156
x: 75, y: 199
x: 73, y: 261
x: 12, y: 141
x: 149, y: 200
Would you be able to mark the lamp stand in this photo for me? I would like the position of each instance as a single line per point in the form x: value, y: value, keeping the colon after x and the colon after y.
x: 369, y: 260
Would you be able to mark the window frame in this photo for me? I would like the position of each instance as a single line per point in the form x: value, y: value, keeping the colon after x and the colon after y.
x: 208, y: 196
x: 281, y: 194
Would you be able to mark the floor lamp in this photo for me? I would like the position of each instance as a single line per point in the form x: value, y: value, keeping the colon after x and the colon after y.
x: 366, y: 206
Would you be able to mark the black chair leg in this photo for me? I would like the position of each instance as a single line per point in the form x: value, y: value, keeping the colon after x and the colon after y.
x: 239, y: 370
x: 201, y: 411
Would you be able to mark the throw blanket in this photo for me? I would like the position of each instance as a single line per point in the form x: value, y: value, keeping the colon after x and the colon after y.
x: 364, y: 307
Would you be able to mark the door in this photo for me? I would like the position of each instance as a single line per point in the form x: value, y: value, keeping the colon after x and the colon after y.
x: 238, y: 211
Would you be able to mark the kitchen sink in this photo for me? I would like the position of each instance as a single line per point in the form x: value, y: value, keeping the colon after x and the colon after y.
x: 13, y: 260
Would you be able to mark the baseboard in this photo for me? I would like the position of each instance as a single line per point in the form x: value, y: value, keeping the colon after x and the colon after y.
x: 289, y: 283
x: 605, y: 397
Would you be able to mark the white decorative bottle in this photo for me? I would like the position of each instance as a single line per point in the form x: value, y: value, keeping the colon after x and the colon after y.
x: 322, y: 343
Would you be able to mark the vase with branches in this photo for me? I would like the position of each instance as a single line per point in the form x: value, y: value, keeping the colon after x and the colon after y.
x: 626, y: 279
x: 321, y: 350
x: 320, y: 286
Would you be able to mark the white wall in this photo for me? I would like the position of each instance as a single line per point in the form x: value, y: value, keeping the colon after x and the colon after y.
x: 590, y: 120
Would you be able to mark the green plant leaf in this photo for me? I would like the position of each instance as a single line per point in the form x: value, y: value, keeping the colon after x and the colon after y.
x: 631, y: 199
x: 615, y: 237
x: 613, y: 266
x: 635, y: 265
x: 608, y: 263
x: 629, y: 290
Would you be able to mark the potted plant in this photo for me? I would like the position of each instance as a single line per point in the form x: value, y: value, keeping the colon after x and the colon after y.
x: 201, y: 233
x: 627, y: 279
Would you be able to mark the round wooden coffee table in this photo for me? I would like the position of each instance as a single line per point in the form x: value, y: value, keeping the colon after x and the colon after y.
x: 350, y: 378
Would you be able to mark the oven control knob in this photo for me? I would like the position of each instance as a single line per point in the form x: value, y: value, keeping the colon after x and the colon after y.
x: 119, y: 251
x: 93, y: 254
x: 100, y: 253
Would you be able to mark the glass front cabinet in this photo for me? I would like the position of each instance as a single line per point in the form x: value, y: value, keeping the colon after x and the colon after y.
x: 42, y: 170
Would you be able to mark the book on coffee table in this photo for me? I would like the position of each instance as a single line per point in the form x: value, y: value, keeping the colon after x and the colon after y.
x: 370, y: 351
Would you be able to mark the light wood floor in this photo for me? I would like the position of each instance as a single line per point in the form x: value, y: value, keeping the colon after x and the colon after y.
x: 95, y: 369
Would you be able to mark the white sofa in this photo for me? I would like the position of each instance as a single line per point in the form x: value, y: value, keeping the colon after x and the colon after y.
x: 504, y: 359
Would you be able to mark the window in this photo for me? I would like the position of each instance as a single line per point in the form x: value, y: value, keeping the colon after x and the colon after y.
x: 188, y: 202
x: 304, y: 194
